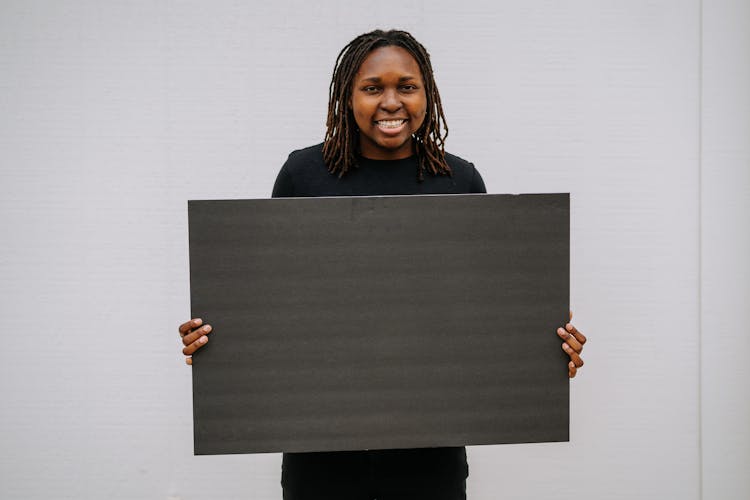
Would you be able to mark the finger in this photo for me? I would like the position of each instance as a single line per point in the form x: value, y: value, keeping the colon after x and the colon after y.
x: 570, y: 339
x: 572, y: 370
x: 186, y: 327
x: 573, y: 342
x: 574, y: 357
x: 571, y: 315
x: 189, y: 360
x: 190, y: 349
x: 581, y: 338
x: 196, y: 334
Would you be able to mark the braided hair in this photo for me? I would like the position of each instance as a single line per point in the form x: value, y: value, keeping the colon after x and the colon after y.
x: 342, y: 140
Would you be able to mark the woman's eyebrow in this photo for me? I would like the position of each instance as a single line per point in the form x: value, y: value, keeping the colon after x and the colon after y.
x: 377, y: 79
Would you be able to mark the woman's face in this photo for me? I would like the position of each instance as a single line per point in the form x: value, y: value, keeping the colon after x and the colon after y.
x: 389, y: 103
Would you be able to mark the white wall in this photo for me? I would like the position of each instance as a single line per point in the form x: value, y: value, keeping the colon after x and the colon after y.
x: 112, y: 114
x: 725, y: 250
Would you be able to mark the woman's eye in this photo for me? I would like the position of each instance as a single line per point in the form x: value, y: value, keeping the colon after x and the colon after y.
x: 409, y: 88
x: 370, y: 89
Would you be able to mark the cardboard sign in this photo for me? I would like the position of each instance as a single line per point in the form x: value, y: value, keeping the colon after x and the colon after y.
x: 379, y: 322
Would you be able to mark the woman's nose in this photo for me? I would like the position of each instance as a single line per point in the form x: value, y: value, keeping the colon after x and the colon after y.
x: 390, y: 101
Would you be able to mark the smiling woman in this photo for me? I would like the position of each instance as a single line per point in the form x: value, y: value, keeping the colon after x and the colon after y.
x: 389, y: 103
x: 383, y: 80
x: 385, y: 136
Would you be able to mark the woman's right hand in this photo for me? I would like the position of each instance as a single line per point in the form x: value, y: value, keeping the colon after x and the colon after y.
x: 194, y: 336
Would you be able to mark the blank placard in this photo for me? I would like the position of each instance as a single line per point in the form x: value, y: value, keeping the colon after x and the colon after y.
x: 379, y: 322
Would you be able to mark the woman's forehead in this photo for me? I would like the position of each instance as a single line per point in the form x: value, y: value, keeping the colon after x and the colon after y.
x: 388, y: 59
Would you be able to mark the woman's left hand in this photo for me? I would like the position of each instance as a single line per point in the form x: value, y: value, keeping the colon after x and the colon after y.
x: 572, y: 345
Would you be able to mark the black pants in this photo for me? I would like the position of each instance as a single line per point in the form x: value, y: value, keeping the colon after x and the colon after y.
x: 423, y: 474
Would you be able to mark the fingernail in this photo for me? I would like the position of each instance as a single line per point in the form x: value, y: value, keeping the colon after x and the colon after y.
x: 560, y: 331
x: 203, y: 339
x: 197, y: 321
x: 207, y: 328
x: 569, y: 327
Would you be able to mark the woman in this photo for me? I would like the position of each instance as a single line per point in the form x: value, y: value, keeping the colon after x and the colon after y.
x: 385, y: 136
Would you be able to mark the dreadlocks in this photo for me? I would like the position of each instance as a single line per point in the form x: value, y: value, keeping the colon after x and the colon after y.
x: 341, y: 140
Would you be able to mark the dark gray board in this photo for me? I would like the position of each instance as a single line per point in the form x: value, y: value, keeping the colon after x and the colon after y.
x: 379, y: 322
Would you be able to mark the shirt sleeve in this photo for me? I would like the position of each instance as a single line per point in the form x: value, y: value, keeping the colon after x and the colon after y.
x: 477, y: 184
x: 283, y: 187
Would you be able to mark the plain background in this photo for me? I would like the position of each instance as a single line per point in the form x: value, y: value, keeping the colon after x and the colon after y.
x: 113, y: 114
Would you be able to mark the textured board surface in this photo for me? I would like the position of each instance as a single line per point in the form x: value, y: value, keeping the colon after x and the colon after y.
x: 379, y: 322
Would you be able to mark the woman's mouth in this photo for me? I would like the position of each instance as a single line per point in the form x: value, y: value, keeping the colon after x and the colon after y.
x: 390, y: 126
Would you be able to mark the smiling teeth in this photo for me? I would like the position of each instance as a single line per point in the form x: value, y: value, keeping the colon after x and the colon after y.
x: 391, y: 123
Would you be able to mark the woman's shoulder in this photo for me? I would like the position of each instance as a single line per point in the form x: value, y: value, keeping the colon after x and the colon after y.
x: 303, y: 168
x: 456, y: 162
x: 303, y: 158
x: 465, y: 173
